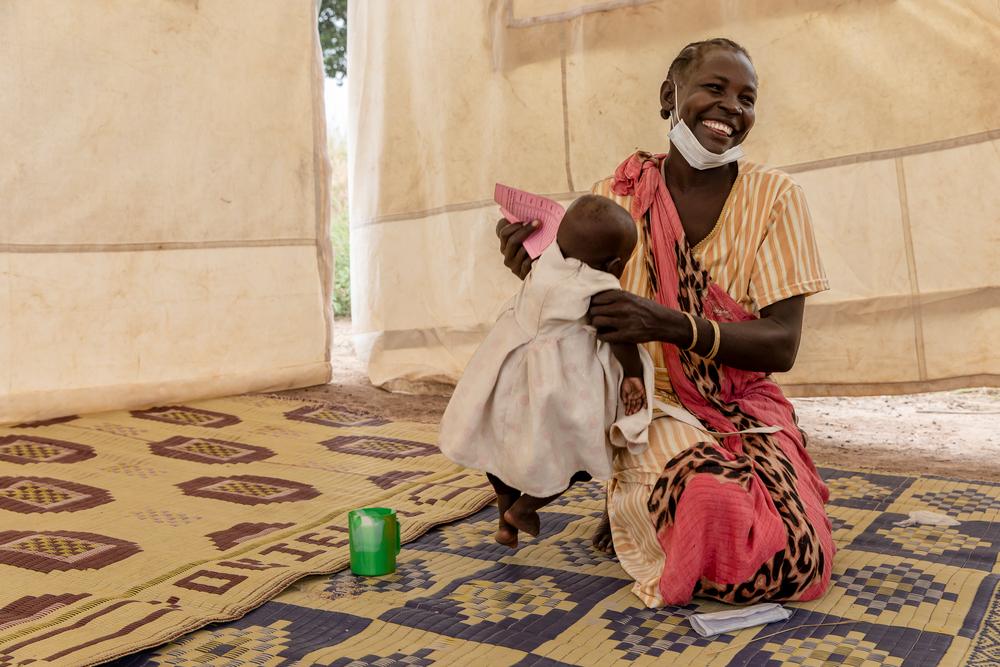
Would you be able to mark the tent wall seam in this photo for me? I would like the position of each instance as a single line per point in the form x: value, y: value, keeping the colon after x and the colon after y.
x: 839, y: 161
x: 911, y: 267
x: 149, y: 246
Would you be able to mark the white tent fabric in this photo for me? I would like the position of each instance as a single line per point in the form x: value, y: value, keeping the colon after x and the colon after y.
x: 164, y: 227
x: 885, y: 111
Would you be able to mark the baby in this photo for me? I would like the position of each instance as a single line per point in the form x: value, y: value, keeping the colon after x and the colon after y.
x: 542, y: 402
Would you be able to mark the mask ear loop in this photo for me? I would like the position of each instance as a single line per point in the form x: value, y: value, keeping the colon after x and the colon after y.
x: 674, y: 113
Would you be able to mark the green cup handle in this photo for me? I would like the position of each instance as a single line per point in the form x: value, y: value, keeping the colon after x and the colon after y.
x: 399, y: 539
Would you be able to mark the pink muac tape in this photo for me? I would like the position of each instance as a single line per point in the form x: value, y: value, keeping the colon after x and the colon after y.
x: 520, y: 206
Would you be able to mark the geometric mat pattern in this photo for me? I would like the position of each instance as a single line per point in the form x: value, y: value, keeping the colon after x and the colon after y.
x: 125, y: 530
x: 901, y: 596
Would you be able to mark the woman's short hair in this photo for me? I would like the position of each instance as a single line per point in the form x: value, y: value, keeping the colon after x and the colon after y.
x: 692, y: 54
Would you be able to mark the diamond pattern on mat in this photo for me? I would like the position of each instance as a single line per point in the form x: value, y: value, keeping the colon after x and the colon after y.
x: 468, y: 534
x: 181, y: 415
x: 419, y: 658
x: 580, y: 552
x: 45, y: 551
x: 209, y: 450
x: 56, y: 546
x: 587, y: 496
x: 248, y: 489
x: 166, y: 517
x: 272, y: 431
x: 120, y: 429
x: 654, y: 632
x: 253, y: 645
x: 959, y: 501
x: 409, y: 576
x: 855, y: 487
x: 582, y: 492
x: 31, y: 449
x: 327, y: 415
x: 890, y: 587
x: 28, y: 495
x: 254, y: 489
x: 32, y: 493
x: 378, y: 447
x: 134, y: 470
x: 492, y: 601
x: 850, y: 649
x: 927, y: 540
x: 986, y: 650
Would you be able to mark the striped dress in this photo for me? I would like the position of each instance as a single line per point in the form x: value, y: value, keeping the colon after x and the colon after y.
x: 762, y: 250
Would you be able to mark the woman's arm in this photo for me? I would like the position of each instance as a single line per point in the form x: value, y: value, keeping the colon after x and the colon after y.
x: 767, y: 345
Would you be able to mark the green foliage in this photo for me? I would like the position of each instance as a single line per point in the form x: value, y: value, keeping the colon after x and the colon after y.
x: 332, y: 23
x: 333, y: 37
x: 340, y: 228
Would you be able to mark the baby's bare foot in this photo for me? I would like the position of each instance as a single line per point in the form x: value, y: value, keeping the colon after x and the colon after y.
x: 602, y: 536
x: 506, y: 533
x: 523, y: 518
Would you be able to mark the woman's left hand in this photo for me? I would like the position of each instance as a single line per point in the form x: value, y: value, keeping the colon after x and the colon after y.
x: 623, y: 317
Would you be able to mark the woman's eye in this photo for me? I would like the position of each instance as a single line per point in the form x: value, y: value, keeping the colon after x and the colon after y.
x: 748, y: 100
x: 713, y: 86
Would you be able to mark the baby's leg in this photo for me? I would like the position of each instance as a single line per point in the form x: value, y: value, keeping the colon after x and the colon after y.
x: 523, y: 514
x: 506, y: 496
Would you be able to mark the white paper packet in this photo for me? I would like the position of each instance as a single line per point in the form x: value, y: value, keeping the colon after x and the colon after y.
x: 708, y: 625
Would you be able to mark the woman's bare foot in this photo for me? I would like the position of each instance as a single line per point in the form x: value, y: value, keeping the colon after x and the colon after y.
x: 524, y: 518
x: 602, y: 536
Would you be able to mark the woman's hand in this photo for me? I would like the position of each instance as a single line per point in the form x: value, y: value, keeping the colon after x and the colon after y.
x: 623, y: 317
x: 512, y: 236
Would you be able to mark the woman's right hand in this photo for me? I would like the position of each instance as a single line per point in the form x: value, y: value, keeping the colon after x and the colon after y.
x: 512, y: 236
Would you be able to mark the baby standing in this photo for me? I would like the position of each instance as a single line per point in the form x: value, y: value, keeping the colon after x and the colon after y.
x: 543, y: 402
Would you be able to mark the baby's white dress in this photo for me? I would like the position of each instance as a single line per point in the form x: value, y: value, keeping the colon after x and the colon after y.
x: 539, y: 400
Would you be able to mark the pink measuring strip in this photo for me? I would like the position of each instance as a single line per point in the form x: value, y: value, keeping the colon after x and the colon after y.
x: 520, y: 206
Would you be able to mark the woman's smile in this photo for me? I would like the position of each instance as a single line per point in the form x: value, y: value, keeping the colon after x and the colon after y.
x: 720, y: 128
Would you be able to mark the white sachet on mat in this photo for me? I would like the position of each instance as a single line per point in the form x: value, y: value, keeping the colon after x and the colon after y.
x: 708, y: 625
x: 927, y: 518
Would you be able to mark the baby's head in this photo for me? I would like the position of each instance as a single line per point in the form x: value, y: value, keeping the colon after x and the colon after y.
x: 599, y: 233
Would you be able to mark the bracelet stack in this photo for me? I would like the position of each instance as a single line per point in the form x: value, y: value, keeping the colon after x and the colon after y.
x: 716, y: 336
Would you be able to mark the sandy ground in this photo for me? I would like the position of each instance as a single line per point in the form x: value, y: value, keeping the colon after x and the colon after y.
x: 952, y: 433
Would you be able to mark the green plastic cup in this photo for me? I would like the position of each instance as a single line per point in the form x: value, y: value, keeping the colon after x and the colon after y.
x: 373, y: 533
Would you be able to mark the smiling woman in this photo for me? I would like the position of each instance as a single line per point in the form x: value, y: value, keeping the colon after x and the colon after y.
x: 725, y: 501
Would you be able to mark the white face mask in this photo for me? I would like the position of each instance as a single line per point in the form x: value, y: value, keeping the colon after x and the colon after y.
x: 694, y: 153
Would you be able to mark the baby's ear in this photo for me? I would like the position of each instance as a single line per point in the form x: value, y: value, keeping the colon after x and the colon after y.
x: 616, y: 267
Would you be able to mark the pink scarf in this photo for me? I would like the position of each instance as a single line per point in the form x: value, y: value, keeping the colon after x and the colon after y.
x: 749, y: 392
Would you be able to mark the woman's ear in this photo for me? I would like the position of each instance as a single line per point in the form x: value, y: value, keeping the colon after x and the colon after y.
x: 666, y: 98
x: 615, y: 267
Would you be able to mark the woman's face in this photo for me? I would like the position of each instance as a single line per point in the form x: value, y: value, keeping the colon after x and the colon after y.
x: 716, y: 99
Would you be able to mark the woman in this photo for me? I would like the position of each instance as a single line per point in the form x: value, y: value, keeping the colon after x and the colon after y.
x: 725, y: 503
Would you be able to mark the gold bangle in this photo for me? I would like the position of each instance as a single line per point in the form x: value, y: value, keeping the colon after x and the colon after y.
x: 694, y: 331
x: 715, y: 343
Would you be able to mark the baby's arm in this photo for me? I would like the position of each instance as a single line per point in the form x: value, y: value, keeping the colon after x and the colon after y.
x: 633, y: 392
x: 628, y: 356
